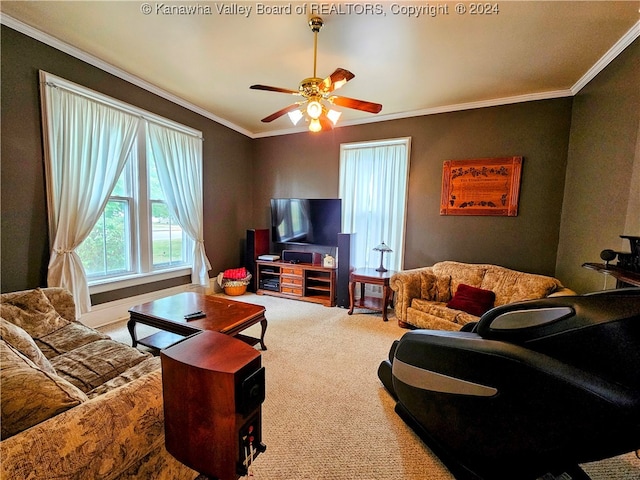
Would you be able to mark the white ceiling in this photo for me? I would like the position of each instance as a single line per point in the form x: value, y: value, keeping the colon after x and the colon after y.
x: 411, y: 65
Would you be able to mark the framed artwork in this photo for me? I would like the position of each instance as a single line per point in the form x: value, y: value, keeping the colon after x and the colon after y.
x: 488, y: 186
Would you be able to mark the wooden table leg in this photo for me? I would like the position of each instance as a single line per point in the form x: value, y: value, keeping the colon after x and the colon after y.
x: 386, y: 296
x: 352, y: 294
x: 131, y: 326
x: 263, y: 324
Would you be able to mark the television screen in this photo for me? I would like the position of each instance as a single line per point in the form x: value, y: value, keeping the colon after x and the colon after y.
x: 306, y: 221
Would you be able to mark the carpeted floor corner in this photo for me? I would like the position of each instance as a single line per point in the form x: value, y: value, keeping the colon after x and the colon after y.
x: 326, y: 415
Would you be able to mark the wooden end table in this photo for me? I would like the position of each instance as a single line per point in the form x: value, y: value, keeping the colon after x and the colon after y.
x: 221, y: 315
x: 371, y: 276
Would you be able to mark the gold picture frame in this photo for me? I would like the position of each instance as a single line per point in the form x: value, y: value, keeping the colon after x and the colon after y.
x: 489, y: 186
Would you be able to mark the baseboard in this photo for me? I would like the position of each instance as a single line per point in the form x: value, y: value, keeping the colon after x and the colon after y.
x: 118, y: 310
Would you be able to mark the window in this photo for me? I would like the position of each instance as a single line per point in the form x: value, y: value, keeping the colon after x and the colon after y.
x: 124, y: 193
x: 107, y: 251
x: 113, y: 250
x: 169, y: 244
x: 374, y: 179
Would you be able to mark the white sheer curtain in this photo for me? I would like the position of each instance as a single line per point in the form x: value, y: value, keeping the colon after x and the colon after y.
x: 178, y: 159
x: 87, y: 144
x: 373, y: 187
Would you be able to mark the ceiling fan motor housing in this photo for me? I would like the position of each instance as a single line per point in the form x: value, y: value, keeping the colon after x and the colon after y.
x: 310, y: 87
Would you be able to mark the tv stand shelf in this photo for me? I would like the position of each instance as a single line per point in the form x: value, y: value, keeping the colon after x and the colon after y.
x: 298, y: 281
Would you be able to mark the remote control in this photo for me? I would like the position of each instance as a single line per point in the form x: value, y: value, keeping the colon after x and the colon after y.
x: 194, y: 315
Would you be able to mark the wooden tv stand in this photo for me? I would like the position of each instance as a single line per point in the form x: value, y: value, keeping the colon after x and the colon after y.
x: 298, y: 281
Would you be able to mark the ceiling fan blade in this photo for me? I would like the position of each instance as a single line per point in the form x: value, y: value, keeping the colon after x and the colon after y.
x: 356, y: 104
x: 274, y: 89
x: 326, y: 123
x: 336, y: 80
x: 279, y: 113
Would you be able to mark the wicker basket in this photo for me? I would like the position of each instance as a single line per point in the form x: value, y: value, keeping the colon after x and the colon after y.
x: 235, y: 290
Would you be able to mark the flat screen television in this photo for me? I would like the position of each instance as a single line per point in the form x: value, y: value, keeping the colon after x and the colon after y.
x: 307, y: 221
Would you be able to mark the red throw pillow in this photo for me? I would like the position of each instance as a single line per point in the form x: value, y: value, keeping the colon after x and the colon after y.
x: 473, y: 300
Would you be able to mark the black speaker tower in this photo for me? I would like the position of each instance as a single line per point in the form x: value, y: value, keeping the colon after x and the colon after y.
x: 346, y: 247
x: 257, y: 244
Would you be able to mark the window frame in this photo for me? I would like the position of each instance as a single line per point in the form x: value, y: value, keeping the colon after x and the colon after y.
x: 364, y: 247
x: 142, y: 264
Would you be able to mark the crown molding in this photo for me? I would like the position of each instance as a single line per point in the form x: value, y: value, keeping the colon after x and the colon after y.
x: 632, y: 34
x: 432, y: 111
x: 626, y: 40
x: 113, y: 70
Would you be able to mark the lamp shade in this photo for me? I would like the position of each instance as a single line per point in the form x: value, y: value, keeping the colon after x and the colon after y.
x: 383, y: 247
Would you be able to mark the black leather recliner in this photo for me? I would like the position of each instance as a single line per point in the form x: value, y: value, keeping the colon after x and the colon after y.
x: 535, y: 389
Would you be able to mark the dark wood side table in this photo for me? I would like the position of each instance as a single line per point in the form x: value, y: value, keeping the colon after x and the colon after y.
x: 373, y: 277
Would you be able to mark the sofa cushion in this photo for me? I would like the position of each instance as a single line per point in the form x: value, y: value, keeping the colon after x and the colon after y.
x: 513, y: 286
x: 22, y: 342
x: 32, y: 312
x: 146, y: 366
x: 441, y: 311
x: 30, y: 395
x: 91, y: 365
x: 436, y: 316
x: 68, y: 338
x: 435, y: 287
x: 473, y: 300
x: 467, y: 273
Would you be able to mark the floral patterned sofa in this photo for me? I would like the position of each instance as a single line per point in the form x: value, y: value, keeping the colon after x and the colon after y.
x: 76, y: 404
x: 429, y: 297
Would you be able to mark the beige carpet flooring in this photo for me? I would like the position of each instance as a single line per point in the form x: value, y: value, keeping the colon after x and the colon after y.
x: 326, y: 415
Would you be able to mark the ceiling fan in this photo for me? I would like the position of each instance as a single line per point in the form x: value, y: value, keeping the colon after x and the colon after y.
x: 318, y: 94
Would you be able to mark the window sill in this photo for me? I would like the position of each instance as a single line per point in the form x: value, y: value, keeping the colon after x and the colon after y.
x: 118, y: 283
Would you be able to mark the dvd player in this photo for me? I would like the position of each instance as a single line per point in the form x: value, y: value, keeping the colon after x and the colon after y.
x: 269, y: 258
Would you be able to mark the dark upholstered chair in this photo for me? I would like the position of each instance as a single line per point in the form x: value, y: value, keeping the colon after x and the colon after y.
x: 535, y: 388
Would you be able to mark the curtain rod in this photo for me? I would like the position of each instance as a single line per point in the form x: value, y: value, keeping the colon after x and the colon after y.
x: 52, y: 81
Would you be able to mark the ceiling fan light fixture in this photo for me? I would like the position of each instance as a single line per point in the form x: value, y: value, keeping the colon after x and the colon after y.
x: 314, y: 109
x: 314, y: 125
x: 317, y: 94
x: 334, y: 116
x: 295, y: 116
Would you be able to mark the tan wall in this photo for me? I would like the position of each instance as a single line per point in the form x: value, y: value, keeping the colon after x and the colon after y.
x: 601, y: 200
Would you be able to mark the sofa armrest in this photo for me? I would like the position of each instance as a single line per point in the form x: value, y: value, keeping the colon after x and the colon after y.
x: 563, y: 292
x: 98, y: 439
x: 408, y: 285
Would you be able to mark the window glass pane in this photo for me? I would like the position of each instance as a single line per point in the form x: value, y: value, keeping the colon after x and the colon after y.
x: 121, y: 189
x: 105, y: 251
x: 155, y: 191
x: 166, y: 236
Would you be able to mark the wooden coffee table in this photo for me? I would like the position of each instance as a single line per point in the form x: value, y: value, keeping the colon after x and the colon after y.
x: 222, y: 315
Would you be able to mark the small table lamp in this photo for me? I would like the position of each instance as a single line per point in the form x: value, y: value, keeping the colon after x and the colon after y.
x: 382, y: 248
